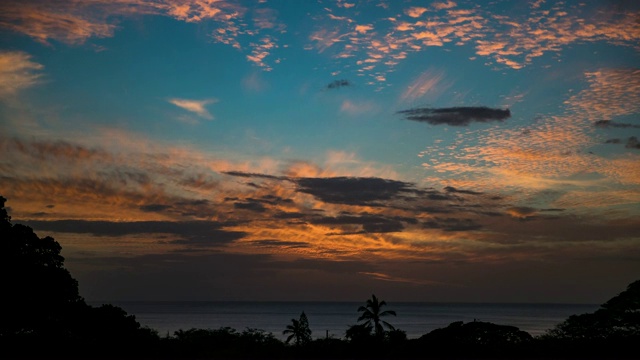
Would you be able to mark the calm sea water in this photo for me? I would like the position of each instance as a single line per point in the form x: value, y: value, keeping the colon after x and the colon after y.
x: 414, y: 318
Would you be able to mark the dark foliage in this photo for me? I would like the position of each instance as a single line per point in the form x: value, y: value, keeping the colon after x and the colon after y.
x: 612, y: 330
x: 41, y: 311
x: 298, y: 331
x: 222, y: 343
x: 38, y: 292
x: 475, y: 338
x: 372, y: 314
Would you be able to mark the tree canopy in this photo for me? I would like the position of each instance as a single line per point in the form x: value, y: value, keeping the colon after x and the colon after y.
x: 38, y: 291
x: 618, y: 318
x: 41, y: 303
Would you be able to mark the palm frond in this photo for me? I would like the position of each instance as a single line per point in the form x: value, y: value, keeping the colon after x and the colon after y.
x: 387, y: 312
x: 371, y: 312
x: 388, y: 325
x: 289, y: 338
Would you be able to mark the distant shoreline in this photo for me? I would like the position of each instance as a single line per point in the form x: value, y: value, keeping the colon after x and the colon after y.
x: 416, y: 318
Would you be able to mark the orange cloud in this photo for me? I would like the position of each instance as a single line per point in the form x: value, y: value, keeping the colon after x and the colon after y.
x: 195, y: 106
x: 362, y: 29
x: 611, y: 93
x: 17, y: 72
x: 74, y: 22
x: 443, y: 5
x: 59, y: 21
x: 415, y: 12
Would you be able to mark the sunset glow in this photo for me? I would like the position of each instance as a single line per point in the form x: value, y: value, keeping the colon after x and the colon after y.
x: 325, y: 150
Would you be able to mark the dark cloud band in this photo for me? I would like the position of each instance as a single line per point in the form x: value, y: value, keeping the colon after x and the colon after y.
x: 200, y: 233
x: 613, y: 124
x: 354, y: 190
x: 336, y: 84
x: 456, y: 116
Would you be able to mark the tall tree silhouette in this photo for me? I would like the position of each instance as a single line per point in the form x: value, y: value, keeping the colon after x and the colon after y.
x: 38, y: 291
x: 372, y: 313
x: 298, y: 330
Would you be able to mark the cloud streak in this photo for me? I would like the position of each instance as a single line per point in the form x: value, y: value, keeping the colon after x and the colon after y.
x: 456, y: 116
x: 198, y: 233
x: 197, y: 107
x: 429, y: 82
x: 614, y: 124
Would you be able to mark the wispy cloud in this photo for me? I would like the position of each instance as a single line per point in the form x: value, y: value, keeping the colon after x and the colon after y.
x: 261, y: 50
x: 196, y: 11
x: 357, y: 108
x: 386, y: 277
x: 611, y: 93
x: 254, y: 82
x: 506, y: 41
x: 62, y: 21
x: 74, y: 22
x: 17, y: 72
x: 548, y: 30
x: 429, y: 82
x: 195, y: 106
x: 194, y: 233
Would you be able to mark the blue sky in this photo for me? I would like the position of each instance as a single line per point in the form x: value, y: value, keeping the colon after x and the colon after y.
x: 324, y: 150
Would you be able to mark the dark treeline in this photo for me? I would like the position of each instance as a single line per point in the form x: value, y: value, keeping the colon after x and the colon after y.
x: 42, y: 315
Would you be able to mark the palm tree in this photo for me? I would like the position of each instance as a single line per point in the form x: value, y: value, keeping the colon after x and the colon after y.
x: 298, y: 330
x: 372, y: 314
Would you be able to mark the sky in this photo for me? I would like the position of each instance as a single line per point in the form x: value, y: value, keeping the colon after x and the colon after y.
x: 448, y: 151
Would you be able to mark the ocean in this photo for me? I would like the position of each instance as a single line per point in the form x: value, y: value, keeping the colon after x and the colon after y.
x: 416, y: 319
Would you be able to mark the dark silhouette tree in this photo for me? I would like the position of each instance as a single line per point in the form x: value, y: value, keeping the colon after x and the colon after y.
x: 372, y: 314
x: 298, y: 331
x: 612, y: 331
x: 618, y: 318
x: 40, y: 303
x: 359, y: 333
x: 39, y: 293
x: 476, y: 338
